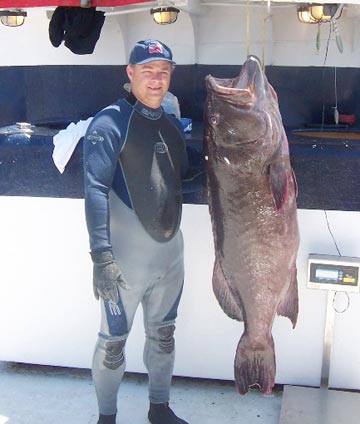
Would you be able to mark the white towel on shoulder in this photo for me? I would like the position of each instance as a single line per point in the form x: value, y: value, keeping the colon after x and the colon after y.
x: 65, y: 142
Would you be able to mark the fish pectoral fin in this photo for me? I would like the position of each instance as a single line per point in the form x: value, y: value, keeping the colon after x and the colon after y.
x: 223, y: 294
x: 289, y: 304
x: 279, y: 184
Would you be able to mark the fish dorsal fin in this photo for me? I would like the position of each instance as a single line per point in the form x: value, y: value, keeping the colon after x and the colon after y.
x: 279, y: 184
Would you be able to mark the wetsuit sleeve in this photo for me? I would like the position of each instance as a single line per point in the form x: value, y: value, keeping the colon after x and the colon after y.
x: 102, y: 145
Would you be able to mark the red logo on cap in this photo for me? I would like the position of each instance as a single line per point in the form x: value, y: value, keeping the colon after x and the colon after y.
x: 155, y: 48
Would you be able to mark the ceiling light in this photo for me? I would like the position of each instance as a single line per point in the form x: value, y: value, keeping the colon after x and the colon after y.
x: 304, y: 15
x: 164, y: 15
x: 12, y: 18
x: 316, y: 13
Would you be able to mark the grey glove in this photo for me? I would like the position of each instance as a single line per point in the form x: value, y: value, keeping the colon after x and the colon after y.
x: 106, y: 276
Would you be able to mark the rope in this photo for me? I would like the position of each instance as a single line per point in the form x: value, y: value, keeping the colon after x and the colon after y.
x: 263, y: 34
x: 247, y: 28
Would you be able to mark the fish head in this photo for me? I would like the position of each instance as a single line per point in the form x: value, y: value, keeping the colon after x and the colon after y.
x: 242, y: 110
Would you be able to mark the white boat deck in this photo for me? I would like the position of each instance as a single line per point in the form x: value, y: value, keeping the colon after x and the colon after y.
x: 33, y: 394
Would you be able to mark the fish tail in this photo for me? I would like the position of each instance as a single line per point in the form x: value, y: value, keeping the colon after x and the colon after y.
x: 254, y: 365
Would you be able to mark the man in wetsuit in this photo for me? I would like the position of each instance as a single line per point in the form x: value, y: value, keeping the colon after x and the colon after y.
x: 134, y: 159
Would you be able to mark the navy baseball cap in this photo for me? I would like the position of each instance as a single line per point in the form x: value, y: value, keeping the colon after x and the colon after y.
x: 149, y: 50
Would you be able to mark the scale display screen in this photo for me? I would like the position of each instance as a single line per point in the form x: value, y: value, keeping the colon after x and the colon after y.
x: 338, y: 273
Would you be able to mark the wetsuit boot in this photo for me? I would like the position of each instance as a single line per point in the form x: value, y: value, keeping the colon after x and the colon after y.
x: 107, y: 419
x: 160, y: 413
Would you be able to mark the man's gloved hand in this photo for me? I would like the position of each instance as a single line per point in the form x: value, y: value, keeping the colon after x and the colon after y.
x: 106, y: 276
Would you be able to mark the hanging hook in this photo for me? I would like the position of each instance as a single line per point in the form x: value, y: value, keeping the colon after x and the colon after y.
x: 338, y: 38
x: 318, y: 39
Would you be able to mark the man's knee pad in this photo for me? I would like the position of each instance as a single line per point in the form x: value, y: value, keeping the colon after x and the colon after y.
x: 164, y: 335
x: 114, y: 354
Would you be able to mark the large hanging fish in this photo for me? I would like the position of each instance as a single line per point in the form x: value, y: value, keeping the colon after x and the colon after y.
x: 252, y: 201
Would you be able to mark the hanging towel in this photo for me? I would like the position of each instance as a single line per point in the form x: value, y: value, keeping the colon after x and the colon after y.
x: 65, y: 142
x: 79, y: 27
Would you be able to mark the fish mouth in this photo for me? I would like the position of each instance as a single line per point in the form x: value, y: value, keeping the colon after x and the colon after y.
x: 245, y: 90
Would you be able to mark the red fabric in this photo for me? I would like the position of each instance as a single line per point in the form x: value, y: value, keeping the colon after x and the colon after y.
x: 23, y: 4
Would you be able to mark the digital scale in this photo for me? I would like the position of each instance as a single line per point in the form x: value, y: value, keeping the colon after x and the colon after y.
x: 307, y: 405
x: 338, y: 273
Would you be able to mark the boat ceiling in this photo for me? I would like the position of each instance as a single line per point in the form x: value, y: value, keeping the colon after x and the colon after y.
x: 24, y: 4
x: 190, y: 6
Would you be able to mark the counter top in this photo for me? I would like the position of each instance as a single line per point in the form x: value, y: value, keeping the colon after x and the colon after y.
x: 327, y: 168
x: 27, y: 167
x: 326, y: 165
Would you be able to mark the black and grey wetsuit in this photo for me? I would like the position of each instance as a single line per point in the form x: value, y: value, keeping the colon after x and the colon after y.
x: 134, y: 158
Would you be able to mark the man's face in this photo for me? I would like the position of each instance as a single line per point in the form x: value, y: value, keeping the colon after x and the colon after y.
x: 150, y: 81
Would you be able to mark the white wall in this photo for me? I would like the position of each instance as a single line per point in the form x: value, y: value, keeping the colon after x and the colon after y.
x: 179, y: 36
x: 48, y: 314
x: 294, y: 43
x: 222, y: 35
x: 30, y: 44
x: 210, y: 35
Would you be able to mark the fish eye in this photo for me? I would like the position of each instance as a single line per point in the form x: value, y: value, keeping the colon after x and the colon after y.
x: 213, y: 119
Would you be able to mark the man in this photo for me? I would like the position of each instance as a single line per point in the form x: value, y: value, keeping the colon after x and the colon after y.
x: 134, y: 158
